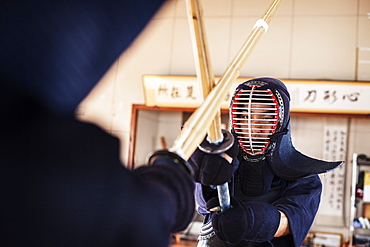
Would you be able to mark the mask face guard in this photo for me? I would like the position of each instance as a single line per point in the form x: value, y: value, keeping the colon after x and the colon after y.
x: 255, y: 117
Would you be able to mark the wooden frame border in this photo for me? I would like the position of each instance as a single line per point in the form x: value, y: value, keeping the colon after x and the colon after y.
x: 133, y: 126
x: 136, y: 107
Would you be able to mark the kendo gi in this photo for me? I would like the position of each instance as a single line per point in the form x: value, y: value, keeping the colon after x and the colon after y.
x: 269, y: 176
x: 62, y: 183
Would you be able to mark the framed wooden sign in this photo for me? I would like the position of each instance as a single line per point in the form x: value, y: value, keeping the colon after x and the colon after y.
x: 311, y: 96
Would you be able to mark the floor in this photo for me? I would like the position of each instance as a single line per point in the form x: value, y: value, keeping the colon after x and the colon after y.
x: 184, y: 243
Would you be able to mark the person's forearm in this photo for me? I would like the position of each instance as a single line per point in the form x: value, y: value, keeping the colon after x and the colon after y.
x: 283, y: 228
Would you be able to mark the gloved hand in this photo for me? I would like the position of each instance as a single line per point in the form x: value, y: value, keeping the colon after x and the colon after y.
x: 251, y: 221
x: 173, y: 175
x: 212, y: 169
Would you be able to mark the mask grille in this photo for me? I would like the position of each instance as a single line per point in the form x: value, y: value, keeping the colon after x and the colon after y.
x: 254, y: 116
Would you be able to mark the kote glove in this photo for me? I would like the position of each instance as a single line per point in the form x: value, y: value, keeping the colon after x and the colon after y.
x: 172, y: 173
x: 212, y: 169
x: 250, y: 221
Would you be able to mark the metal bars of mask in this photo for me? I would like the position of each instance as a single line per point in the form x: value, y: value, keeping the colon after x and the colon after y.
x: 255, y: 114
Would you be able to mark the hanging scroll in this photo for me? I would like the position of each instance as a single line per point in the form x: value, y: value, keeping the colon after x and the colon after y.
x: 334, y: 149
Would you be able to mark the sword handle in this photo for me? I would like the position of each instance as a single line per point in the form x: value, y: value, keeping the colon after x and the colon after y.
x: 223, y: 196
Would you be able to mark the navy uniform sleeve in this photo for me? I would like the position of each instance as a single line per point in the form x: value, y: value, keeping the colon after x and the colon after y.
x: 66, y: 186
x: 65, y: 183
x: 178, y: 186
x: 300, y: 202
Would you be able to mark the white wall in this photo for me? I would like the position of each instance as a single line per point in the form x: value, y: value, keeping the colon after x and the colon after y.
x: 307, y: 39
x: 313, y: 39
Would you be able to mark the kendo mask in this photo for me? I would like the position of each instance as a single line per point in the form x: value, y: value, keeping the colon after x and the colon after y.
x: 257, y: 113
x: 260, y: 116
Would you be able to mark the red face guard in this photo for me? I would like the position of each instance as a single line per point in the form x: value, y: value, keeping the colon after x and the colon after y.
x: 254, y: 118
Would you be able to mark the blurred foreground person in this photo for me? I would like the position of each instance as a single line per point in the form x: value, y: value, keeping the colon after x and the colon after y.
x: 62, y: 183
x: 275, y: 190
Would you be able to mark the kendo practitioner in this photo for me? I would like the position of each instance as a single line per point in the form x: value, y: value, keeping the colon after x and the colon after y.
x: 275, y: 190
x: 62, y: 183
